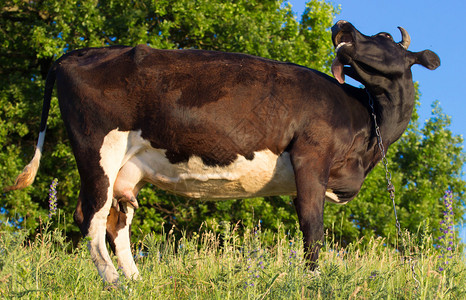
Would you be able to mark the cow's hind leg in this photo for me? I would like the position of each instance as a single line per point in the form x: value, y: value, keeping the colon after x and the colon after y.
x: 91, y: 217
x: 125, y: 189
x: 98, y: 171
x: 118, y: 236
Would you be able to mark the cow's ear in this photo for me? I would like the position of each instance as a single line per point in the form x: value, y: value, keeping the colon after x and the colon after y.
x: 427, y: 58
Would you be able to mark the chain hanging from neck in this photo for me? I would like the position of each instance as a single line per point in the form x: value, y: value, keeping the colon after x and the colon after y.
x: 390, y: 186
x: 388, y: 175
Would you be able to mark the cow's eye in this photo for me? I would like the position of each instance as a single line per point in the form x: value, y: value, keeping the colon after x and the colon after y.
x: 386, y: 35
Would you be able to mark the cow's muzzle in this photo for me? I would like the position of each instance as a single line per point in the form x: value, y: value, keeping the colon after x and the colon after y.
x: 342, y: 37
x: 342, y: 34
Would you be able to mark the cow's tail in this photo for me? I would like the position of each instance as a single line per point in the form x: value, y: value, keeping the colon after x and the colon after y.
x: 26, y: 178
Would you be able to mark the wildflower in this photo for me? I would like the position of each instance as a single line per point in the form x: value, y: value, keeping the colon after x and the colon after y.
x: 53, y: 198
x: 373, y: 275
x: 446, y: 228
x: 261, y: 264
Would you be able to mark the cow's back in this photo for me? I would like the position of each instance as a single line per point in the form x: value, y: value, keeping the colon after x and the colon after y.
x: 185, y: 101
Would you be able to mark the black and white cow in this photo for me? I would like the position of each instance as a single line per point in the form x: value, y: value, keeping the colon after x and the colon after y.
x: 215, y: 125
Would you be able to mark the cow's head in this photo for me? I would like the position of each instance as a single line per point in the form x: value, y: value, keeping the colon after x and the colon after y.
x: 376, y: 60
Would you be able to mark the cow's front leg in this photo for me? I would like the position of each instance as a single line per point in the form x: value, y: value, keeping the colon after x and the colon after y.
x: 311, y: 180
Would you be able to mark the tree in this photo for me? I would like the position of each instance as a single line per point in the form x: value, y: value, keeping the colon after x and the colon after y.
x: 35, y: 33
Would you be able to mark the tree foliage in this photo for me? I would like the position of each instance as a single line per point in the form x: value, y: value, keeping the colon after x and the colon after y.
x: 33, y: 34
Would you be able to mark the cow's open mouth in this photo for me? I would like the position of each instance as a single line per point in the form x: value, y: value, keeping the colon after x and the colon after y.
x: 342, y: 38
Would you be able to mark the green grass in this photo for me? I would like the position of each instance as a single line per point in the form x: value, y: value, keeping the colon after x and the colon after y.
x: 229, y: 266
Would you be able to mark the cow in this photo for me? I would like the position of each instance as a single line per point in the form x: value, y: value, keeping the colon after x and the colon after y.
x: 215, y: 125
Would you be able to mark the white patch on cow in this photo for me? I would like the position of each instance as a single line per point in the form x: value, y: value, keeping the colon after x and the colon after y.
x: 265, y: 175
x: 112, y: 154
x: 123, y: 247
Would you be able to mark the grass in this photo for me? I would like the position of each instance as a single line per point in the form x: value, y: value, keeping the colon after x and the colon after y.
x: 229, y: 266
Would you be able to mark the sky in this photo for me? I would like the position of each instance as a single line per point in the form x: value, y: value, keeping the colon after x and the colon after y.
x: 432, y: 24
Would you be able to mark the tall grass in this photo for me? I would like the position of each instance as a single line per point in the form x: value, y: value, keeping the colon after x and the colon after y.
x: 229, y: 265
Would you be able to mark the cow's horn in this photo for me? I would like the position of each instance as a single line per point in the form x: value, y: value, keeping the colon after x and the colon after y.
x: 405, y: 38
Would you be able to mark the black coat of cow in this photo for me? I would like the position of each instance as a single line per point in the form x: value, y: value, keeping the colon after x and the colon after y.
x: 219, y: 125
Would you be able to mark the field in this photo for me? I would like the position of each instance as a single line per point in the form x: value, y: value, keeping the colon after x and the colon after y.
x: 255, y: 264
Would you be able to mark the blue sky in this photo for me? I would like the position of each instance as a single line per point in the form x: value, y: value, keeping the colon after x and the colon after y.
x: 434, y: 25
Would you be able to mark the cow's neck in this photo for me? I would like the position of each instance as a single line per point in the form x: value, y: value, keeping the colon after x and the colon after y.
x: 394, y: 109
